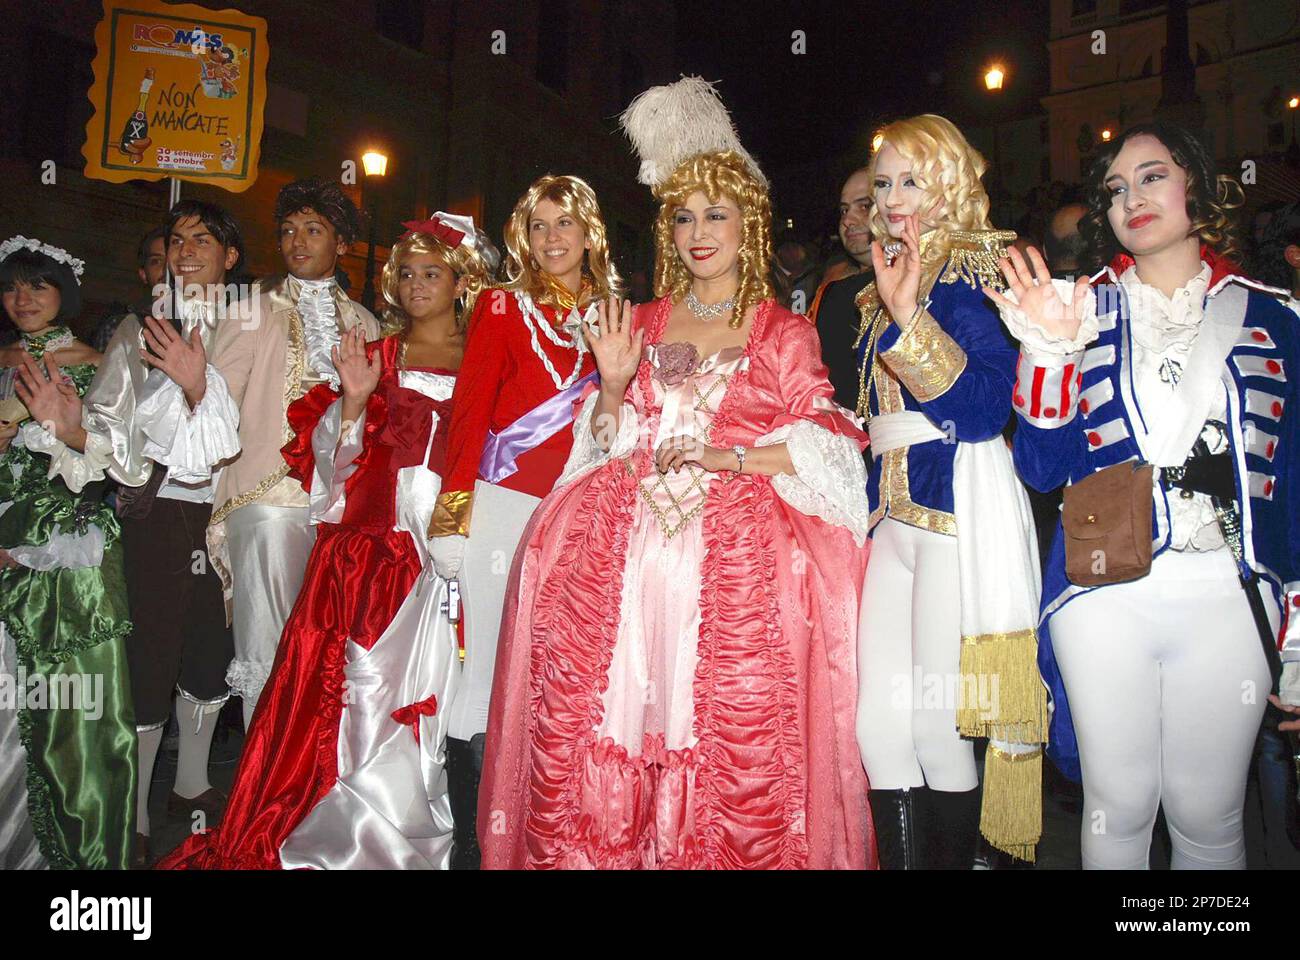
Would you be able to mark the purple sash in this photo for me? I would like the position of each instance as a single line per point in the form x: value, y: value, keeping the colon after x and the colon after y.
x: 532, y: 429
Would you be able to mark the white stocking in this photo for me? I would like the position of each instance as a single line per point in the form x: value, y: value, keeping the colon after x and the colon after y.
x: 150, y: 741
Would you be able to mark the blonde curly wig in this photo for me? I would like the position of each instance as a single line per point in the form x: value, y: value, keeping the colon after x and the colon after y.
x: 464, y: 263
x: 946, y: 168
x: 576, y: 198
x: 716, y: 175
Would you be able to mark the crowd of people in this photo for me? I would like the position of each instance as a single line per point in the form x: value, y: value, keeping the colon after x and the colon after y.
x: 522, y: 575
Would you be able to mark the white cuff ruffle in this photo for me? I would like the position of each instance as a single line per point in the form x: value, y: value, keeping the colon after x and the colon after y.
x: 1037, y: 342
x: 586, y: 454
x: 188, y: 442
x: 76, y: 469
x: 830, y: 479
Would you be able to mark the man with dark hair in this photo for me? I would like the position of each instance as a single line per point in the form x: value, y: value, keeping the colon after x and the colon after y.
x: 180, y: 641
x: 835, y: 310
x: 261, y: 533
x: 1063, y: 243
x: 151, y: 268
x: 1276, y: 259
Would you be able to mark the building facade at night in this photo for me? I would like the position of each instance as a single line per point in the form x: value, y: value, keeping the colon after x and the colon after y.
x: 1108, y: 58
x: 461, y: 97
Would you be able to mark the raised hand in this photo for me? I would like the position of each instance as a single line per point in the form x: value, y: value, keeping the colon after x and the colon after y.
x: 182, y: 359
x: 617, y: 349
x: 1031, y: 283
x: 899, y: 283
x: 51, y: 402
x: 358, y: 375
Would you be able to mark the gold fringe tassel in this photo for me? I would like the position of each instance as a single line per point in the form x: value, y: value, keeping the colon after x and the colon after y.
x: 1011, y: 815
x: 1014, y: 709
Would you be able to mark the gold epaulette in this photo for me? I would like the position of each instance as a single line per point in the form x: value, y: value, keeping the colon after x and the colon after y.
x: 973, y: 257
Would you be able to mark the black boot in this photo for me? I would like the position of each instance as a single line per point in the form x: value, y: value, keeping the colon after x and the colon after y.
x: 894, y: 813
x: 464, y: 767
x: 951, y: 828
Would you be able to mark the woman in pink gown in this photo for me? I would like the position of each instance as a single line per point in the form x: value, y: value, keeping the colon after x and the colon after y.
x: 676, y: 682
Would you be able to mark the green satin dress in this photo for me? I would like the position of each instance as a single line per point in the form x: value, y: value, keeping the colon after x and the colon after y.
x: 75, y: 717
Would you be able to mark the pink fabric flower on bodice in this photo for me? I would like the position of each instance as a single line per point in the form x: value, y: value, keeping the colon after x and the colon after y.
x: 676, y: 362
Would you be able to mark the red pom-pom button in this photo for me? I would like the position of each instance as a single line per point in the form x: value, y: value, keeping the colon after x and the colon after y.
x: 1277, y: 408
x: 1273, y: 366
x: 1268, y: 488
x: 1049, y: 411
x: 1295, y: 601
x: 1085, y: 406
x: 1260, y: 336
x: 1018, y: 400
x: 1268, y: 451
x: 1094, y: 438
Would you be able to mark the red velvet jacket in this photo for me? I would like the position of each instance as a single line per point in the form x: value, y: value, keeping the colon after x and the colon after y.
x: 501, y: 379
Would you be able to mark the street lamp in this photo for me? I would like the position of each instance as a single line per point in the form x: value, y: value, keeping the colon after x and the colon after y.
x: 1106, y: 135
x: 993, y: 78
x: 1293, y: 149
x: 375, y: 165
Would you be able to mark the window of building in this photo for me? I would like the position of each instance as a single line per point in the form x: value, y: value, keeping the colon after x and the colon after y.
x: 401, y: 21
x: 553, y: 45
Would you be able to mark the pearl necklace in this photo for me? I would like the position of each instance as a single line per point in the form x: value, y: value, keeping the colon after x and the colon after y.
x: 707, y: 311
x: 533, y: 319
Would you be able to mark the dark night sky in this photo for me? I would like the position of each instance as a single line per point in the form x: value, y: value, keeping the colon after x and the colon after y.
x: 809, y: 119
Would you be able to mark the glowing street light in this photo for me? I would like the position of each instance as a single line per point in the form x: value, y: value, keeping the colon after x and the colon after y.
x: 994, y: 76
x: 1293, y: 103
x: 374, y: 163
x: 1106, y: 135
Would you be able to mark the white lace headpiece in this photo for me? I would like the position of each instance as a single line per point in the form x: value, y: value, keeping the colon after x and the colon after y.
x: 58, y: 254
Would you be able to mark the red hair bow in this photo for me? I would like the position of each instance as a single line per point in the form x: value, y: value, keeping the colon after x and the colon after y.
x: 436, y: 228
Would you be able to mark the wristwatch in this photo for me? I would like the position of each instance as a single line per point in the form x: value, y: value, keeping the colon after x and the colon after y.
x: 739, y: 451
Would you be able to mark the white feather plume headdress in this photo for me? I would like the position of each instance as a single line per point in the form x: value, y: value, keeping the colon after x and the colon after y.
x: 672, y: 123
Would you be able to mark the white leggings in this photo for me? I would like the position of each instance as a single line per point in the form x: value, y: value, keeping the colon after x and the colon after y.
x: 1167, y: 684
x: 909, y: 647
x: 496, y: 525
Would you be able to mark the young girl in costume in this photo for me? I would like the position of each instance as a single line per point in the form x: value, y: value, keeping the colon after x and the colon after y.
x: 342, y: 767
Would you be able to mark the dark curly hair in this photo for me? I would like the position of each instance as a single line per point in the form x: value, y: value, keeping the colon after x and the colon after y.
x: 326, y: 198
x: 1211, y: 197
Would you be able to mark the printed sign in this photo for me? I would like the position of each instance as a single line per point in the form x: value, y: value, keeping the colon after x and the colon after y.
x: 179, y: 92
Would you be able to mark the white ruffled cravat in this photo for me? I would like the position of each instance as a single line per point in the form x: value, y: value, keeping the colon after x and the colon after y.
x: 316, y: 307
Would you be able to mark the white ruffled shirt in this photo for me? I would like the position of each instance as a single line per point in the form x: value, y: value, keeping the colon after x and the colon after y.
x: 320, y: 322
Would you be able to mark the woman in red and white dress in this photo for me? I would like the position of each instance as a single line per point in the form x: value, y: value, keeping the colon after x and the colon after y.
x: 526, y: 365
x: 343, y: 764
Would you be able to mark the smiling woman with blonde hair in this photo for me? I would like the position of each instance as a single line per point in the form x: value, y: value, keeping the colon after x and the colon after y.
x: 526, y: 364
